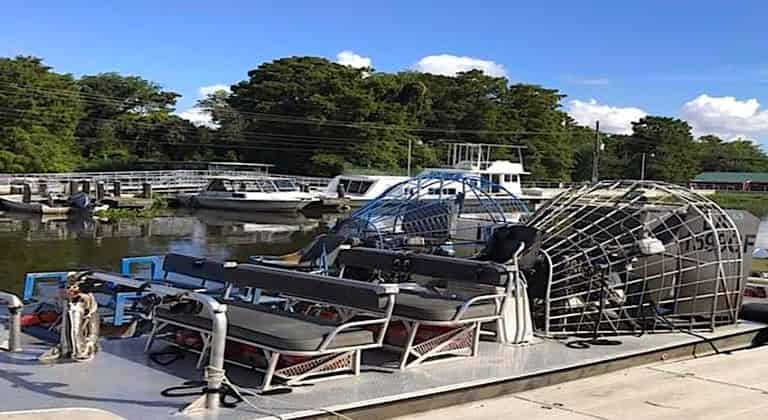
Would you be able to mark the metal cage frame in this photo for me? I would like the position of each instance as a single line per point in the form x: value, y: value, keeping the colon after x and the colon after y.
x: 629, y: 257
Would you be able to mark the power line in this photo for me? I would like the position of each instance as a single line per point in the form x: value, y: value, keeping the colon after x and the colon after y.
x: 305, y: 120
x: 93, y: 140
x: 192, y: 131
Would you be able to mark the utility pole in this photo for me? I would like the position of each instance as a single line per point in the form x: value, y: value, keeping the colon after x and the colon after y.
x: 410, y: 149
x: 596, y: 153
x: 642, y: 168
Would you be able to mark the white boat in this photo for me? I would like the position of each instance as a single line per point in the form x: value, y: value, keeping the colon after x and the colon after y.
x: 357, y: 190
x: 260, y: 195
x: 496, y: 178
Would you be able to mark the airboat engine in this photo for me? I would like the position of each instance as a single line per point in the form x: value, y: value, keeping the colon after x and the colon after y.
x: 627, y: 257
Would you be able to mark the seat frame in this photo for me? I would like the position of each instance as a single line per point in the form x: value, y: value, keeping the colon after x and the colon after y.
x: 327, y: 362
x: 463, y: 338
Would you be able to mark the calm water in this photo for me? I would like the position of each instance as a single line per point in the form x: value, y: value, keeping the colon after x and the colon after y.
x: 35, y: 243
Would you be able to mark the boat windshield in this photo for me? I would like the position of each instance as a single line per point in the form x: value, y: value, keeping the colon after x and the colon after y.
x: 285, y: 185
x: 218, y: 185
x: 352, y: 186
x: 266, y: 185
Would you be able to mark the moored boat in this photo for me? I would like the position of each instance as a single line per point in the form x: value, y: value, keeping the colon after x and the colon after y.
x: 33, y: 207
x: 262, y: 195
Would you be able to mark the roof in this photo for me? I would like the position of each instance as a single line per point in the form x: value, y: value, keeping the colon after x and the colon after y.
x: 731, y: 177
x: 243, y: 164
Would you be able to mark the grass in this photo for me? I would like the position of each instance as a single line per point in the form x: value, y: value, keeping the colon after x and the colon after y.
x: 759, y: 264
x: 755, y: 203
x: 159, y: 207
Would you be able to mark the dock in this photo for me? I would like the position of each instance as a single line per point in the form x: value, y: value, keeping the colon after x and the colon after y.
x: 731, y: 386
x: 27, y: 384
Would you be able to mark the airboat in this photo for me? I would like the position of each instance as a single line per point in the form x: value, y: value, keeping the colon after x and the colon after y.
x: 607, y: 275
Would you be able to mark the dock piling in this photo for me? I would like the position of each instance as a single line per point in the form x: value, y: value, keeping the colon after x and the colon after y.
x: 146, y: 190
x: 26, y: 195
x: 100, y: 191
x: 116, y: 189
x: 72, y: 188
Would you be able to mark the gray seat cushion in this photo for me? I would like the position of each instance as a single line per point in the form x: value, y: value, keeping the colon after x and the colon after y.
x: 427, y: 307
x: 279, y: 330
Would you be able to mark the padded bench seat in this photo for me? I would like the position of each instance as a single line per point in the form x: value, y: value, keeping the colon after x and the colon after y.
x: 280, y: 330
x: 427, y: 307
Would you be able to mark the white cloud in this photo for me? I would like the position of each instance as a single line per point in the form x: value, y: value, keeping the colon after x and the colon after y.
x: 617, y: 120
x: 349, y: 58
x: 207, y: 90
x: 726, y: 117
x: 201, y: 117
x: 449, y: 65
x: 198, y: 117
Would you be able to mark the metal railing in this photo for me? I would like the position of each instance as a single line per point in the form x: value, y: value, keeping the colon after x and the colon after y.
x: 729, y: 187
x: 132, y: 181
x: 14, y: 306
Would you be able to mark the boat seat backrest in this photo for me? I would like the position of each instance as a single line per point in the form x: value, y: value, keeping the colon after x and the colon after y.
x: 459, y: 269
x: 199, y: 268
x: 448, y: 268
x: 314, y: 287
x: 372, y: 259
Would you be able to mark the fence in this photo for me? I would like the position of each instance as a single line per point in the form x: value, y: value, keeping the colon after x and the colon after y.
x: 132, y: 181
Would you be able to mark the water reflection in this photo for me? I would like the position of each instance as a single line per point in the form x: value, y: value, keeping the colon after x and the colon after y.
x: 43, y: 243
x: 40, y: 243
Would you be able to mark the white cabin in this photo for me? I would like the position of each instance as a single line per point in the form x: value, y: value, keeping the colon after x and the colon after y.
x: 358, y: 189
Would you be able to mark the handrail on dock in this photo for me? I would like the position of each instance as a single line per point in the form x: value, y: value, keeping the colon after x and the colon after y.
x: 162, y: 180
x: 15, y: 306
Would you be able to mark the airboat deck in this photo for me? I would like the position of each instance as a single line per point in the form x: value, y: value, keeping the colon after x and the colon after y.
x: 123, y: 381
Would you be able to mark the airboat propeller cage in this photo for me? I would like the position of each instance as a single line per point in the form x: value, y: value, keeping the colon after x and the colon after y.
x: 437, y: 207
x: 623, y: 257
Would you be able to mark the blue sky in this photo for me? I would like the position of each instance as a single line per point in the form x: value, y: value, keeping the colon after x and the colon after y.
x: 704, y: 60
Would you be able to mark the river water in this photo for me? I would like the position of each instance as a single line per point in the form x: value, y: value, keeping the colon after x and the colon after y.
x: 33, y: 243
x: 53, y: 243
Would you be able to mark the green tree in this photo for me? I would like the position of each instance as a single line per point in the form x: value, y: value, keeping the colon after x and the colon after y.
x: 739, y: 155
x: 536, y: 111
x: 289, y: 108
x: 128, y: 117
x: 669, y: 148
x: 39, y: 111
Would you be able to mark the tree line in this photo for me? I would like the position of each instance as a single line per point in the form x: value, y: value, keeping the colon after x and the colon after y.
x: 310, y: 116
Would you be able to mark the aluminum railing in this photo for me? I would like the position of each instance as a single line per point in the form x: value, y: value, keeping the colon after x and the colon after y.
x: 130, y: 181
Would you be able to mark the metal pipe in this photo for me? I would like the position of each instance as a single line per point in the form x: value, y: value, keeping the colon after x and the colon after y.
x: 214, y: 372
x: 14, y: 324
